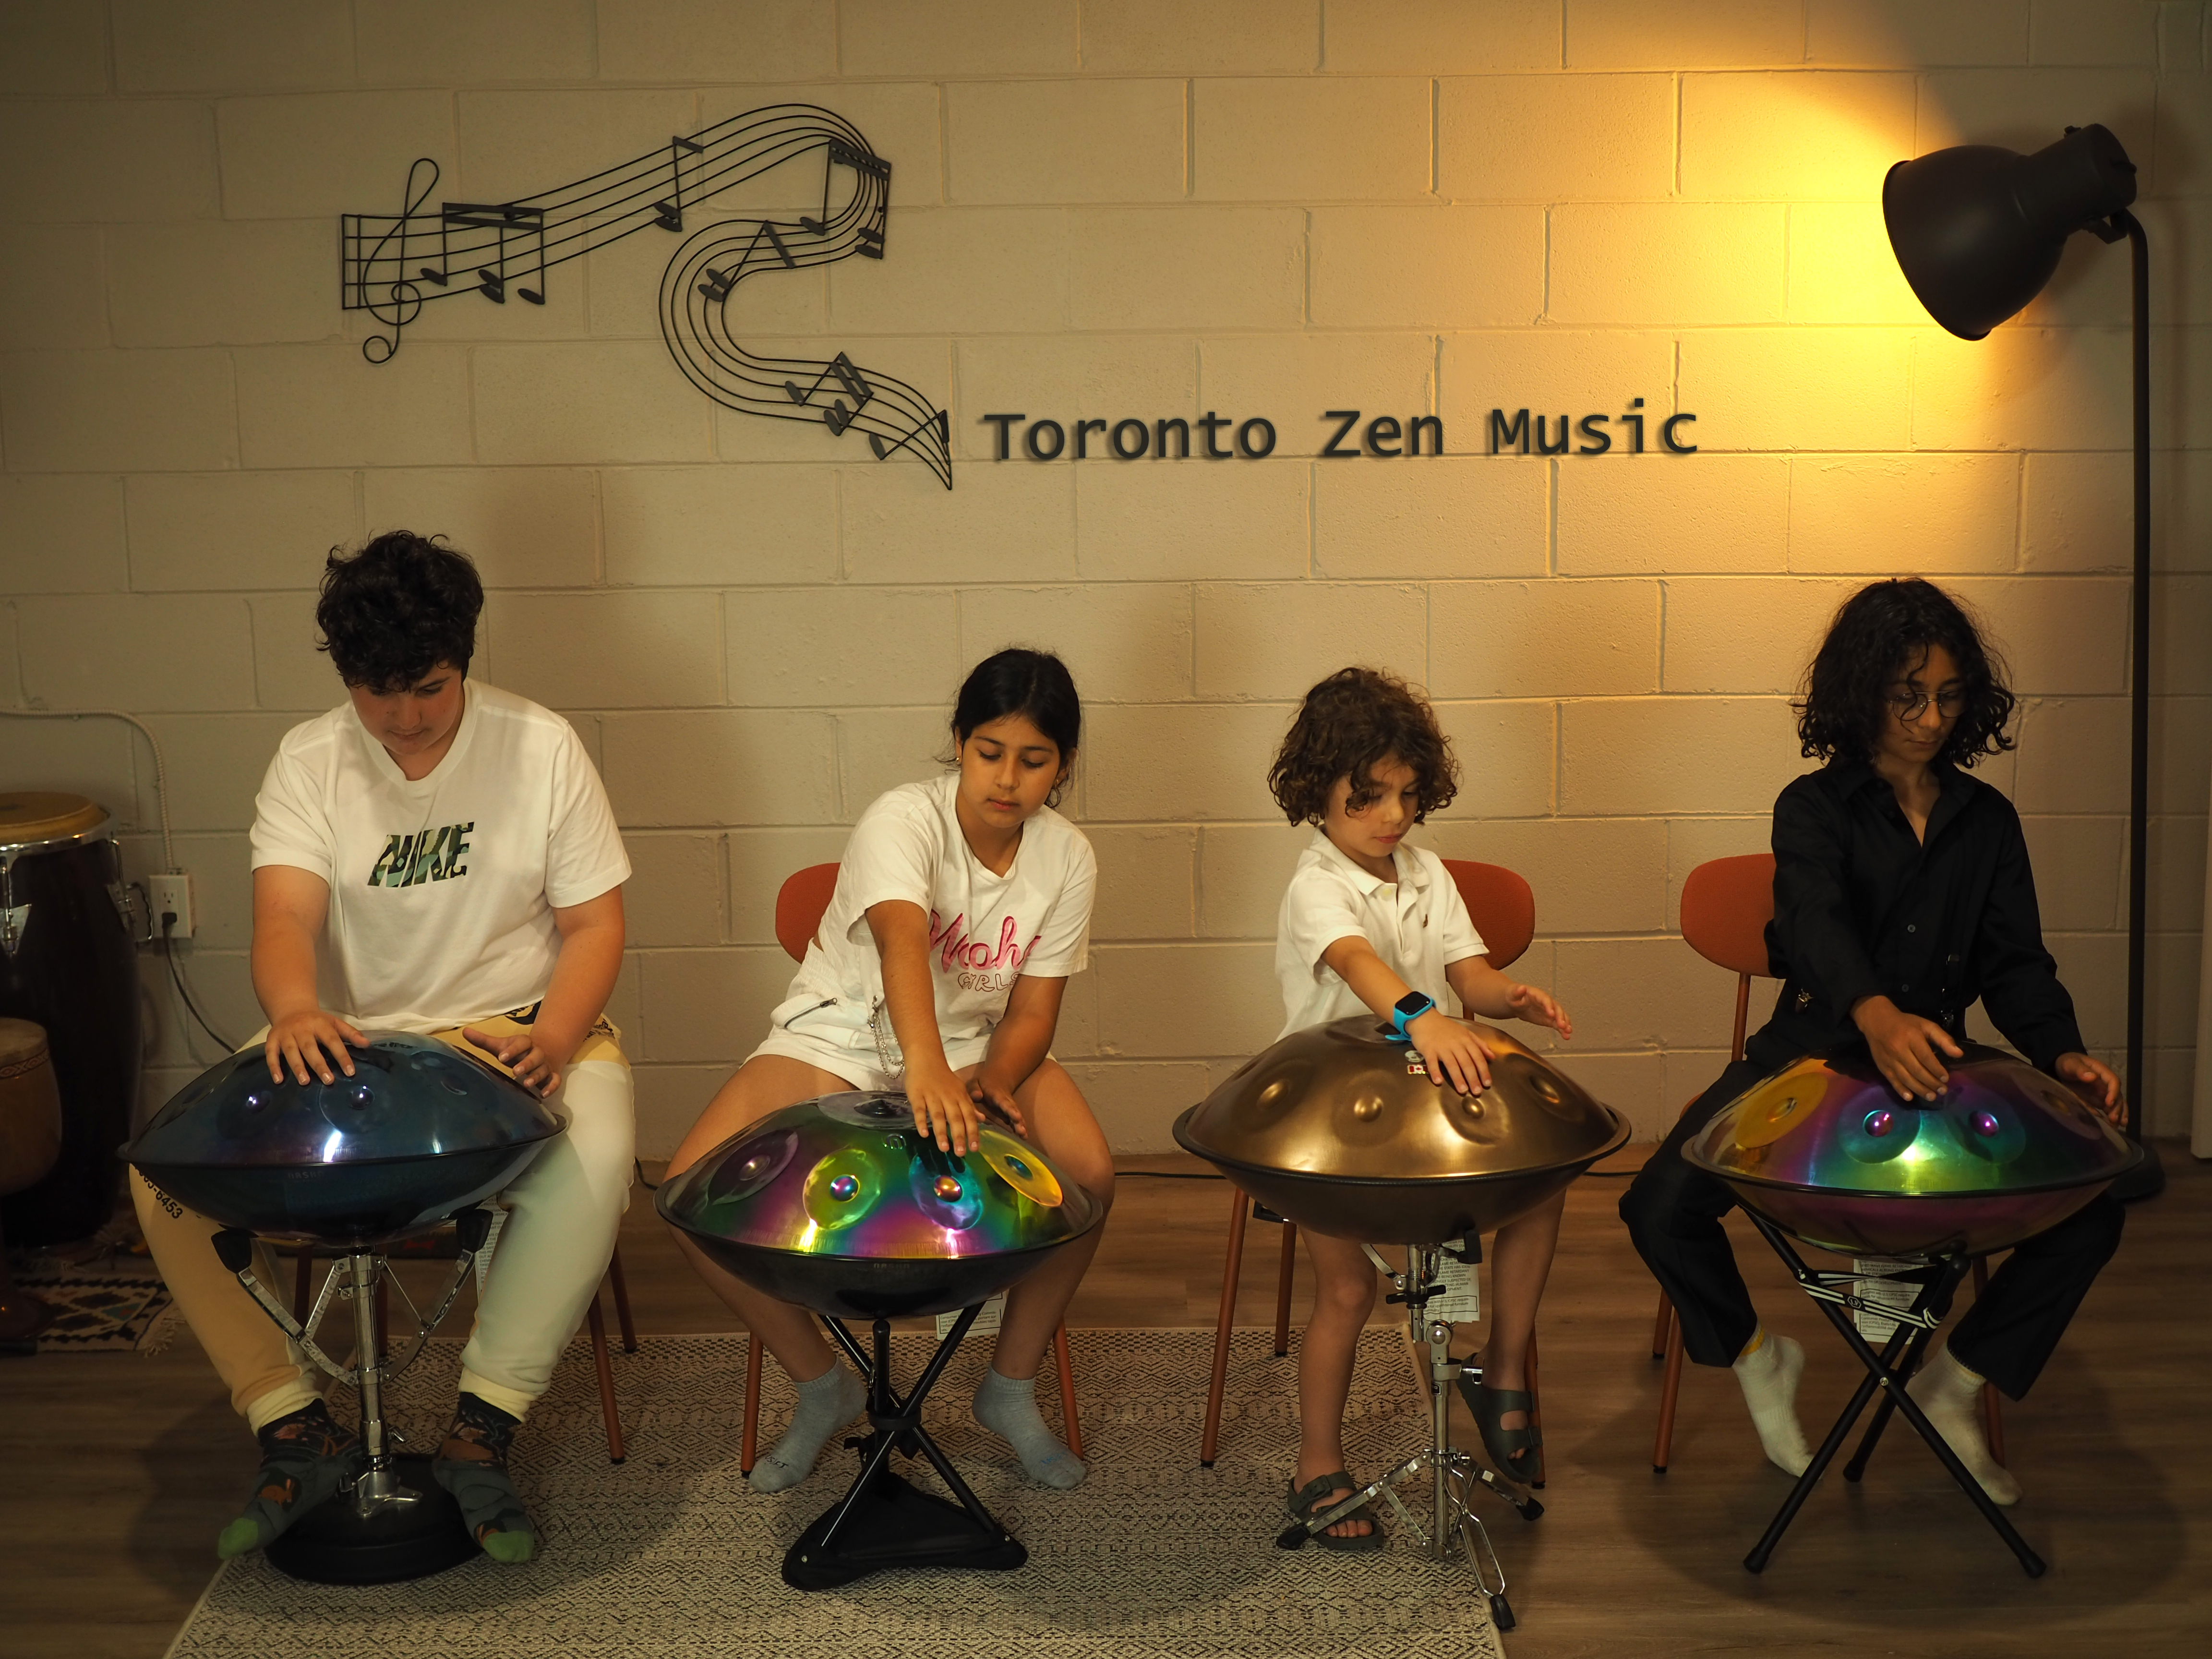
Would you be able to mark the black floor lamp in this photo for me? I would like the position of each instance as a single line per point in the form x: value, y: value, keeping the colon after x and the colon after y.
x: 1978, y: 231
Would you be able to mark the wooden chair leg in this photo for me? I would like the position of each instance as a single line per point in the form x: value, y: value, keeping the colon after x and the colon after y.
x: 1068, y: 1419
x: 1535, y: 1408
x: 1659, y: 1327
x: 1239, y: 1208
x: 1992, y: 1405
x: 1283, y: 1288
x: 303, y: 1283
x: 1663, y: 1447
x: 604, y: 1365
x: 746, y: 1440
x: 622, y: 1301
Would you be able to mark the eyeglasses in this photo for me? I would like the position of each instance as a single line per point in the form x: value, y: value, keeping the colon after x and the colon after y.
x: 1909, y: 706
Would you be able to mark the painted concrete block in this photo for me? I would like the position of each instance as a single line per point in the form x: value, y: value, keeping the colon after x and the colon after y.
x: 1826, y: 135
x: 704, y: 767
x: 704, y: 40
x: 1272, y: 640
x: 239, y: 45
x: 102, y: 411
x: 210, y: 531
x: 839, y: 647
x: 92, y: 757
x: 1463, y: 266
x: 1461, y: 516
x: 2061, y: 635
x: 674, y: 895
x: 52, y: 295
x: 934, y: 284
x: 524, y: 526
x: 1556, y: 137
x: 1431, y: 37
x: 1236, y: 37
x: 1692, y: 841
x: 1508, y: 756
x: 1186, y: 267
x: 1604, y: 876
x: 605, y: 401
x: 2071, y: 31
x: 1633, y: 994
x: 1554, y: 372
x: 519, y: 143
x: 1675, y: 755
x: 63, y: 533
x: 317, y: 406
x: 1550, y: 638
x: 1243, y: 869
x: 1180, y: 763
x: 1842, y: 270
x: 1285, y: 139
x: 223, y: 283
x: 1064, y: 377
x: 408, y: 42
x: 105, y: 650
x: 760, y: 861
x: 2027, y: 390
x: 214, y: 765
x: 1761, y: 389
x: 315, y: 156
x: 1136, y: 1102
x: 1146, y: 882
x: 288, y: 672
x: 1187, y: 999
x: 1906, y: 34
x: 1061, y: 141
x: 1122, y: 642
x: 50, y: 47
x: 1745, y: 634
x: 709, y: 1006
x: 1684, y: 34
x: 1677, y: 264
x: 1881, y: 514
x: 136, y: 160
x: 880, y: 749
x: 1197, y: 519
x: 1718, y: 513
x: 710, y: 526
x: 930, y: 39
x: 1008, y: 521
x: 638, y: 649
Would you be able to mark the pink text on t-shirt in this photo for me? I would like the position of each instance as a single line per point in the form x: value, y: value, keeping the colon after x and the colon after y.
x: 957, y: 949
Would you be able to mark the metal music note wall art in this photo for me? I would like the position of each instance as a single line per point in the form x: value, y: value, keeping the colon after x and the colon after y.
x: 394, y: 266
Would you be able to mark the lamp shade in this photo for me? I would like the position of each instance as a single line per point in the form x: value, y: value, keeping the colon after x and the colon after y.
x: 1978, y: 230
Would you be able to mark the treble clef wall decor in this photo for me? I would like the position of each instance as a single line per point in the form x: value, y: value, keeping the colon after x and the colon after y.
x: 394, y: 266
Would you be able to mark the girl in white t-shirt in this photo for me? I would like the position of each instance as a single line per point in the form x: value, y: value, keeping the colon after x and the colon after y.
x: 962, y: 906
x: 1370, y: 925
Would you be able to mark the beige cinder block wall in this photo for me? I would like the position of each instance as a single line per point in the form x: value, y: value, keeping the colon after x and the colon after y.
x: 1119, y: 208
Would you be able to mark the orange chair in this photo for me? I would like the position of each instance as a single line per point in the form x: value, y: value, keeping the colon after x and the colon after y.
x: 1726, y: 905
x: 1503, y: 910
x: 799, y: 904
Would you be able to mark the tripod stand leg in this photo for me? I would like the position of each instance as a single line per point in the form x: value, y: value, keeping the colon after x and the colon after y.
x: 1904, y: 1366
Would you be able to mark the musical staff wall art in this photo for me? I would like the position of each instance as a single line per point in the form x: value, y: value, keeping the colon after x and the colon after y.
x: 392, y: 265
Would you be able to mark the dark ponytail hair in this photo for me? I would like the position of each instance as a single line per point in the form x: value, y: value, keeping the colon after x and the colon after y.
x: 1035, y: 684
x: 1881, y: 633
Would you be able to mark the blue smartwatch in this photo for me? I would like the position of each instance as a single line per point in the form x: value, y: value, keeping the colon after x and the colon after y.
x: 1404, y: 1011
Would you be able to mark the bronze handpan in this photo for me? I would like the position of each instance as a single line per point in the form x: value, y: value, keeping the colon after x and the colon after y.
x: 1825, y: 1150
x: 1340, y: 1128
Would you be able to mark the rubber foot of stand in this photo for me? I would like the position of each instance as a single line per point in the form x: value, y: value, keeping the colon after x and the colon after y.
x: 897, y: 1525
x: 1532, y: 1510
x: 1206, y: 1462
x: 1501, y: 1611
x: 334, y: 1544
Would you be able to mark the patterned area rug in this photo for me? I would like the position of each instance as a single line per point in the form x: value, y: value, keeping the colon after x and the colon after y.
x: 673, y: 1553
x: 98, y: 1308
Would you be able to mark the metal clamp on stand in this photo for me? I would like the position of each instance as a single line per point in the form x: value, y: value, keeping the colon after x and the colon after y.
x: 1454, y: 1474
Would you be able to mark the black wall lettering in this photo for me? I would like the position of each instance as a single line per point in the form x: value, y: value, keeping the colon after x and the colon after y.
x: 1500, y: 433
x: 1382, y: 431
x: 1666, y: 435
x: 1005, y: 427
x: 1182, y: 429
x: 1083, y: 437
x: 1144, y: 439
x: 1211, y: 424
x: 1636, y: 438
x: 1345, y: 418
x: 1032, y: 440
x: 1545, y: 446
x: 1435, y: 427
x: 1250, y: 450
x: 1599, y: 441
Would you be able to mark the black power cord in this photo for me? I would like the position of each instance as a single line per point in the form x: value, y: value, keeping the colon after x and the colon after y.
x: 169, y: 954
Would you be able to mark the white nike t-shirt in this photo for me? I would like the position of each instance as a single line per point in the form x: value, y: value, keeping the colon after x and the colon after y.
x: 985, y: 931
x: 442, y: 891
x: 1417, y: 924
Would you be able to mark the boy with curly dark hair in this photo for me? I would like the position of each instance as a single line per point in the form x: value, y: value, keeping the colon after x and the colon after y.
x: 433, y: 855
x: 1372, y: 925
x: 1902, y: 894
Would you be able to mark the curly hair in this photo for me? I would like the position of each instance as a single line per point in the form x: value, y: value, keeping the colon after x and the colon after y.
x: 1349, y: 723
x: 397, y: 608
x: 1881, y: 633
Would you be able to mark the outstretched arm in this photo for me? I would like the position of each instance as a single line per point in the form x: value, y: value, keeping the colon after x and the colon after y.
x: 583, y: 979
x: 289, y: 905
x: 942, y: 1109
x: 1019, y: 1045
x: 1485, y: 990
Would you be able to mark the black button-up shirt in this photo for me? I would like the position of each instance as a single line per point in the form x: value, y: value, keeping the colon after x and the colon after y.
x: 1862, y: 907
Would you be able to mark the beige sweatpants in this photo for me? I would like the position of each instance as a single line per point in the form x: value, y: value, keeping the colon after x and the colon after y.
x: 551, y: 1253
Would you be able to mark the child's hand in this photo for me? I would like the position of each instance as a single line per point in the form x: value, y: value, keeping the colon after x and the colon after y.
x: 942, y: 1109
x: 2080, y: 1068
x: 533, y: 1069
x: 1538, y: 1008
x: 986, y: 1091
x: 1905, y: 1048
x: 1451, y: 1052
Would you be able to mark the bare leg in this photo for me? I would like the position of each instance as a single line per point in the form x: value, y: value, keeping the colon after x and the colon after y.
x: 1344, y: 1295
x: 1520, y: 1263
x: 1060, y: 1125
x: 764, y: 1084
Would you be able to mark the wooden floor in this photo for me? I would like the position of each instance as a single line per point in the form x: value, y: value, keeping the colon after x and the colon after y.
x: 119, y: 1471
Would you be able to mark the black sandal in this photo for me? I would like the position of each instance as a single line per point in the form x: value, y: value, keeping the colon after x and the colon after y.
x: 1306, y: 1501
x: 1513, y: 1450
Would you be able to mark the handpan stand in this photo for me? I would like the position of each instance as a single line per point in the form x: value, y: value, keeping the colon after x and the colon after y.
x: 421, y: 1135
x: 837, y: 1205
x: 1824, y: 1151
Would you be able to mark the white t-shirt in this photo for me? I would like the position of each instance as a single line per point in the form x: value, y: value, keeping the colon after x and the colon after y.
x: 442, y: 891
x: 1418, y: 925
x: 985, y: 931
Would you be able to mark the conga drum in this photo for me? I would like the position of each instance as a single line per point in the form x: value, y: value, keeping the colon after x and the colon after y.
x: 67, y: 963
x: 30, y: 1141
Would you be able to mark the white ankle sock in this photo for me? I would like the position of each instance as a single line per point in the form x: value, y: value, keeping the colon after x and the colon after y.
x: 1768, y: 1375
x: 1007, y: 1406
x: 1951, y: 1395
x: 826, y: 1405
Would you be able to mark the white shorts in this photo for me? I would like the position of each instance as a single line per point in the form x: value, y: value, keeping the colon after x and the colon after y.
x: 861, y: 1068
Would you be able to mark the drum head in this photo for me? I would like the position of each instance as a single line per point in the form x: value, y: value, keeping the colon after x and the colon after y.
x: 31, y: 816
x: 22, y: 1043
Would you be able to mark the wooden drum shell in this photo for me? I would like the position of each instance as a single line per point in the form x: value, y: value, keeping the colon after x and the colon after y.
x: 30, y: 1107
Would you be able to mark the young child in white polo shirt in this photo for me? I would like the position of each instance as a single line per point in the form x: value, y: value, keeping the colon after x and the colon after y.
x: 1372, y: 925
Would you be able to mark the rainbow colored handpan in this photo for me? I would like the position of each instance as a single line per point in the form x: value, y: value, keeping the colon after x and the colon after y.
x: 840, y: 1204
x: 1825, y: 1150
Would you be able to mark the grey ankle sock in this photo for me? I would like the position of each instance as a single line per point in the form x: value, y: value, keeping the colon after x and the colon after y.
x: 1008, y: 1407
x: 826, y: 1405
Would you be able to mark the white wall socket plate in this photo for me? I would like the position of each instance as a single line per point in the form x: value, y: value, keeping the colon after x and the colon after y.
x: 171, y: 894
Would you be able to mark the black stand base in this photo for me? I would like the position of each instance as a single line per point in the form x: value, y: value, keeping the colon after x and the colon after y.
x: 897, y: 1524
x: 882, y: 1520
x: 334, y: 1544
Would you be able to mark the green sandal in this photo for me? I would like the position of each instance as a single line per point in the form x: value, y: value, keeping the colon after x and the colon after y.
x: 1306, y: 1501
x: 1513, y: 1450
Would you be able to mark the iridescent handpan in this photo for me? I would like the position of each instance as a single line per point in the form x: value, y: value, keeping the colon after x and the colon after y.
x: 838, y: 1204
x: 1339, y: 1127
x: 1825, y: 1150
x: 420, y: 1131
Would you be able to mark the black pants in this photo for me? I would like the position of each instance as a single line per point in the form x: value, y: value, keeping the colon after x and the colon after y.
x: 1673, y: 1214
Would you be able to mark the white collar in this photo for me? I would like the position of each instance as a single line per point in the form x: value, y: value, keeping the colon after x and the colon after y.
x: 1411, y: 875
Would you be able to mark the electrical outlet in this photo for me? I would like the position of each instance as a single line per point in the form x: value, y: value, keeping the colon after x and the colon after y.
x: 171, y: 895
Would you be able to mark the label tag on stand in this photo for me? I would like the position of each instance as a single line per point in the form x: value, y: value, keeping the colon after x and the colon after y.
x: 986, y: 1322
x: 1461, y: 1301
